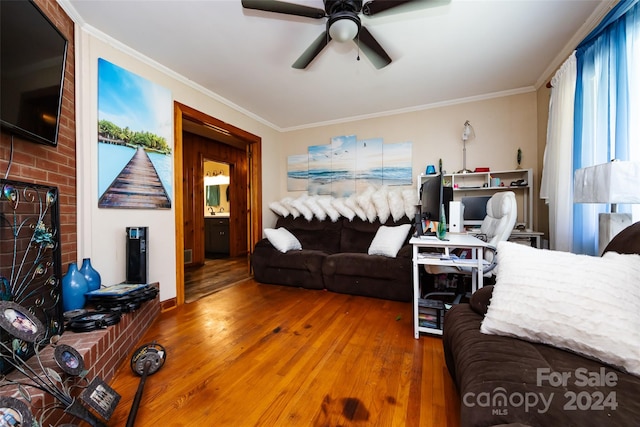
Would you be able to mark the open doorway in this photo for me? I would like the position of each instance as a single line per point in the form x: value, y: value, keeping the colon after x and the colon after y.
x: 224, y: 143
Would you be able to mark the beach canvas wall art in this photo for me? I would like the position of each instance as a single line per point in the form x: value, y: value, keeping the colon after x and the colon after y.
x: 135, y: 127
x: 368, y: 163
x: 396, y: 160
x: 348, y: 165
x: 297, y: 172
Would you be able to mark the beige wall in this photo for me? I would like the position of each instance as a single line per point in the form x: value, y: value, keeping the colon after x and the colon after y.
x: 502, y: 125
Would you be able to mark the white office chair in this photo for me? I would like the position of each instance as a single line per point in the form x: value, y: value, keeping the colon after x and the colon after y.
x: 502, y: 211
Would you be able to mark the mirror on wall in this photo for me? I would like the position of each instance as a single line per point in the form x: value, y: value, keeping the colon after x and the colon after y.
x: 216, y: 189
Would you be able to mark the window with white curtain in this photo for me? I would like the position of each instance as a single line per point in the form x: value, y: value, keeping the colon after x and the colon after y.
x: 600, y: 123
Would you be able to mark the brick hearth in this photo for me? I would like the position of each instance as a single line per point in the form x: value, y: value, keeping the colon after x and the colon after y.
x: 103, y: 352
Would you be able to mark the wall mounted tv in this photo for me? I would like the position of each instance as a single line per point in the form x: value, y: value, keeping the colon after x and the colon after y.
x: 32, y: 60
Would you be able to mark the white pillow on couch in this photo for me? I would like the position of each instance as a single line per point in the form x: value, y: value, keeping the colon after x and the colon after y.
x: 581, y: 303
x: 282, y: 239
x: 389, y: 240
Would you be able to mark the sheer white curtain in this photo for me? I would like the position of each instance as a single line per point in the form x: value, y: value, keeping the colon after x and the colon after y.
x: 556, y: 187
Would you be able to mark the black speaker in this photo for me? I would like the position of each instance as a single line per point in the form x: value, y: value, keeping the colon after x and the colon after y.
x: 137, y: 254
x: 417, y: 225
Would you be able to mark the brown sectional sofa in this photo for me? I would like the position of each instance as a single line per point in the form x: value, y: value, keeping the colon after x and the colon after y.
x: 334, y: 257
x: 486, y: 368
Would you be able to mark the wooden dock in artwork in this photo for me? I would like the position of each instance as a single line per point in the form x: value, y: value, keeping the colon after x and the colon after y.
x: 137, y: 186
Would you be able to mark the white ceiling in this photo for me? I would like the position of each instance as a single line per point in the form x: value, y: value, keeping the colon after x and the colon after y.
x: 446, y: 52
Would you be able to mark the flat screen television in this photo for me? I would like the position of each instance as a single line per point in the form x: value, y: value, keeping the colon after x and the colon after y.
x: 475, y: 209
x: 33, y: 53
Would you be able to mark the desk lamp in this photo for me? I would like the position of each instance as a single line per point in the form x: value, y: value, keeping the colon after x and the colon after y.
x: 616, y: 182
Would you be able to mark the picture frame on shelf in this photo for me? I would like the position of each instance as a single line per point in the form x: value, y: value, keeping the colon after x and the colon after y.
x: 19, y: 322
x: 68, y: 359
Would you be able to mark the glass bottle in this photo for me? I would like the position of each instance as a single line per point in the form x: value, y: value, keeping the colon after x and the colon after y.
x: 74, y: 286
x: 91, y: 275
x: 442, y: 224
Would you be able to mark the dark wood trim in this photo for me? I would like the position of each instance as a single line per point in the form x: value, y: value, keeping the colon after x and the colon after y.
x: 252, y: 145
x: 179, y: 200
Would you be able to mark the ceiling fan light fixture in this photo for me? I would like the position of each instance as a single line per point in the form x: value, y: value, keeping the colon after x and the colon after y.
x: 343, y: 26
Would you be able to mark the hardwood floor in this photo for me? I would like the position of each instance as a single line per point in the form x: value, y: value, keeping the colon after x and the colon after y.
x: 214, y: 275
x: 269, y: 355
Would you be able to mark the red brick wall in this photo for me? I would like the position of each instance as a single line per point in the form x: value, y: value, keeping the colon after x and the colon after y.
x: 104, y: 352
x: 44, y: 164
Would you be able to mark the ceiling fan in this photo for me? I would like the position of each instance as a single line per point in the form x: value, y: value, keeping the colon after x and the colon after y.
x: 343, y: 24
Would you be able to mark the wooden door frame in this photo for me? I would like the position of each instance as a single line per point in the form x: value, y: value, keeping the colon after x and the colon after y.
x: 253, y: 146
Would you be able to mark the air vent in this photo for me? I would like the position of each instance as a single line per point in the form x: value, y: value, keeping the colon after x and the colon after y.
x: 188, y: 256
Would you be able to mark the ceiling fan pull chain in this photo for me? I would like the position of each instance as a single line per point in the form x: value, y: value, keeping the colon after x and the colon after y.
x: 358, y: 57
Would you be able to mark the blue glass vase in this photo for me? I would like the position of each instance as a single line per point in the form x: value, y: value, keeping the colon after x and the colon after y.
x: 91, y: 275
x: 74, y: 286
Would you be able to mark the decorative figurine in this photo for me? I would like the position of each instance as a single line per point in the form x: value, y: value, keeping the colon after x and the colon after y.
x: 519, y: 158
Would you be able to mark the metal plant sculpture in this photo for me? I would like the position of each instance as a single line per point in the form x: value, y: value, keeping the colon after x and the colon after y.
x: 30, y: 271
x: 63, y: 387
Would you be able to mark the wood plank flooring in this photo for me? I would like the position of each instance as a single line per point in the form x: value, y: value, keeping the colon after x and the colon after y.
x: 214, y: 275
x: 269, y: 355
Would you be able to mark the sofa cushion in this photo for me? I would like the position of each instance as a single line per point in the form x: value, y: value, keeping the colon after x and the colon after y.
x: 301, y: 268
x: 480, y: 300
x: 581, y: 303
x: 486, y: 367
x: 358, y: 234
x: 627, y: 241
x: 370, y: 275
x: 315, y: 234
x: 388, y: 240
x: 282, y: 239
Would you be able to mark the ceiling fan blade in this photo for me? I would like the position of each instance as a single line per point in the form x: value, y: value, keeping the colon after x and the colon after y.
x: 375, y: 7
x: 372, y: 49
x: 284, y: 7
x: 312, y: 51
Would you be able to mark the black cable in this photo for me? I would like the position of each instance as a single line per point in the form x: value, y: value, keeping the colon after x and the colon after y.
x: 6, y: 175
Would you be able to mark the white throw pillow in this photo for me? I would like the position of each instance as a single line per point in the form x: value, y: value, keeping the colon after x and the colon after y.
x: 365, y: 202
x: 343, y: 209
x: 411, y: 202
x: 300, y: 205
x: 352, y: 203
x: 282, y: 239
x: 279, y: 209
x: 396, y: 205
x: 381, y: 203
x: 325, y: 203
x: 389, y: 240
x: 312, y: 203
x: 287, y: 202
x: 585, y: 304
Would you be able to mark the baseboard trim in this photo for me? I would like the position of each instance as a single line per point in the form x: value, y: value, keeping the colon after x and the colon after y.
x: 169, y: 304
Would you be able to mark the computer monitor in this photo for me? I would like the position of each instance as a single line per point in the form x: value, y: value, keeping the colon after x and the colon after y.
x: 432, y: 195
x: 475, y: 209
